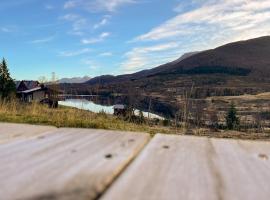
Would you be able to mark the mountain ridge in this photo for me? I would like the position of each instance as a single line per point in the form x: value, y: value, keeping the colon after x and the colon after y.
x: 75, y: 79
x: 243, y: 57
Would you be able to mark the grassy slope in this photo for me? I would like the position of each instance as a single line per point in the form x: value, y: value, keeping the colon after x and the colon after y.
x: 16, y: 112
x: 68, y: 117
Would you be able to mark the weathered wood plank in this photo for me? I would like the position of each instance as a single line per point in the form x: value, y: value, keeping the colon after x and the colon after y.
x: 10, y: 132
x: 181, y: 167
x: 170, y: 167
x: 68, y: 164
x: 242, y: 168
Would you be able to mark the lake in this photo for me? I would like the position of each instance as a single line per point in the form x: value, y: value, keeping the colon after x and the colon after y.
x: 89, y: 105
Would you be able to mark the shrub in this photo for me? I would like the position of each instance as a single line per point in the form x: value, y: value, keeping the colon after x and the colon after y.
x: 166, y: 122
x: 232, y: 120
x: 265, y: 115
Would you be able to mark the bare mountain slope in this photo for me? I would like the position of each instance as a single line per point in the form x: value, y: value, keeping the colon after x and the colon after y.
x: 244, y: 58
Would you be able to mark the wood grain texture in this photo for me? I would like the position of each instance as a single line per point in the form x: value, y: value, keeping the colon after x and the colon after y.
x: 10, y: 132
x: 68, y: 164
x: 243, y: 169
x: 191, y: 168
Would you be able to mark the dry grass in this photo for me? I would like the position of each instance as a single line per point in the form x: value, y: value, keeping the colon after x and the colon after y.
x: 245, y: 97
x: 35, y: 113
x: 252, y: 135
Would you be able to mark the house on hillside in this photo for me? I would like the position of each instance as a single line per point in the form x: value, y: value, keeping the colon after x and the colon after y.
x: 30, y: 91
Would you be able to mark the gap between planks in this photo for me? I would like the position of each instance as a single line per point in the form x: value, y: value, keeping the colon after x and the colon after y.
x: 191, y: 168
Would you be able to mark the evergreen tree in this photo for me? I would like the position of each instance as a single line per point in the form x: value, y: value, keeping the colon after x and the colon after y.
x: 231, y: 119
x: 7, y: 85
x: 2, y: 84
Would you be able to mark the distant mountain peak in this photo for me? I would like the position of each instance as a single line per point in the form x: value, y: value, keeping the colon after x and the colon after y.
x: 185, y: 56
x: 75, y: 80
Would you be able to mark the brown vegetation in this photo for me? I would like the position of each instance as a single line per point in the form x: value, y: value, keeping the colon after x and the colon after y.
x: 35, y: 113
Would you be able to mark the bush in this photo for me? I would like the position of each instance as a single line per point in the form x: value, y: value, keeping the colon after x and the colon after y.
x: 166, y: 122
x: 232, y: 120
x: 265, y: 115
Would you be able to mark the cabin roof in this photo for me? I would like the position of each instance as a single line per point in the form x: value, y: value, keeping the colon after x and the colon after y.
x: 119, y: 106
x: 31, y: 84
x: 32, y: 90
x: 26, y: 85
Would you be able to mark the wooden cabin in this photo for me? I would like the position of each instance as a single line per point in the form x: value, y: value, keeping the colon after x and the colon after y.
x: 35, y: 94
x: 120, y: 109
x: 31, y: 91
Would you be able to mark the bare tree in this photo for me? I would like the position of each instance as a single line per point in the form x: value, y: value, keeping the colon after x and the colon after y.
x: 187, y: 107
x: 198, y: 113
x: 54, y: 90
x: 259, y: 121
x: 42, y: 79
x: 184, y: 111
x: 213, y: 117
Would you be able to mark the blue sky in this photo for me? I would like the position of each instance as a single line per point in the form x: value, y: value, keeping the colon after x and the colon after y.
x: 93, y: 37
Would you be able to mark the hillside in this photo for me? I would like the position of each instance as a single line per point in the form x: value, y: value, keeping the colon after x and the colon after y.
x: 234, y: 69
x: 242, y: 58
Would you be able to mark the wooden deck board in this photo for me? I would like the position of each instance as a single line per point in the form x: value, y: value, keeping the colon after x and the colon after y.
x: 48, y: 163
x: 190, y: 168
x: 67, y: 164
x: 10, y: 132
x: 243, y: 168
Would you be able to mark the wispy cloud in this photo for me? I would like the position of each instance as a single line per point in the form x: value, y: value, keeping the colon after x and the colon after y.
x: 8, y: 29
x: 49, y: 7
x: 79, y: 23
x: 74, y: 53
x: 43, y: 40
x: 71, y: 4
x: 91, y: 64
x: 98, y: 39
x: 97, y: 5
x: 144, y: 57
x: 208, y: 24
x: 106, y: 54
x: 103, y: 22
x: 215, y: 17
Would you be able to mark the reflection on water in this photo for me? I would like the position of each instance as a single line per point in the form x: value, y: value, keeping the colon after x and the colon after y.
x: 96, y: 108
x: 87, y: 105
